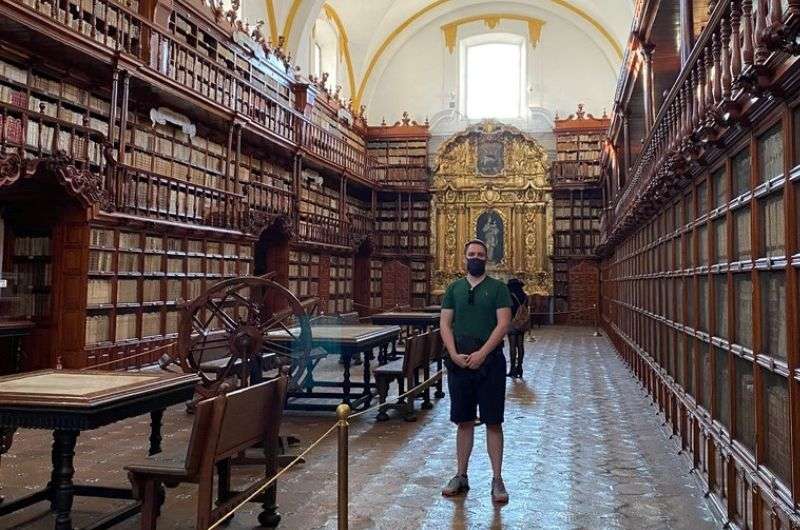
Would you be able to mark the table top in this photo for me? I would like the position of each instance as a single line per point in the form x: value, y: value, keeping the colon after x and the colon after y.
x: 84, y: 389
x: 353, y: 334
x: 407, y: 315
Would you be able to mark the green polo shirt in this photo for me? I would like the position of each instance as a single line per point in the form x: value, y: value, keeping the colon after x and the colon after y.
x: 479, y: 318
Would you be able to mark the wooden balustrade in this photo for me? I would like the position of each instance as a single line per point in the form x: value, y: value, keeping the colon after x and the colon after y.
x: 123, y: 31
x: 148, y: 194
x: 728, y: 66
x: 325, y: 230
x: 268, y: 199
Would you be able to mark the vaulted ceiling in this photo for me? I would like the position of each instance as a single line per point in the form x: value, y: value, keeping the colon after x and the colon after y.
x: 375, y: 30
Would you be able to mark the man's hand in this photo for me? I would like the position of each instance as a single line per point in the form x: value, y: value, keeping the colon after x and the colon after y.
x: 459, y: 359
x: 475, y: 359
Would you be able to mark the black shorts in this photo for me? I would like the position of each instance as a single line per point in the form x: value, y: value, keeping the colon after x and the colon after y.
x: 484, y: 388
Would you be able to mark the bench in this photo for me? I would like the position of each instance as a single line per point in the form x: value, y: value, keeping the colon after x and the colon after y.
x: 224, y: 426
x: 406, y: 372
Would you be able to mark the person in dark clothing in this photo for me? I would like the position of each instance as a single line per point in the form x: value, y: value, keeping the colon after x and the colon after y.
x: 516, y: 338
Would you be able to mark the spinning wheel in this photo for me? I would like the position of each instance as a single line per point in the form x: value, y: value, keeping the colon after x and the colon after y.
x: 228, y: 325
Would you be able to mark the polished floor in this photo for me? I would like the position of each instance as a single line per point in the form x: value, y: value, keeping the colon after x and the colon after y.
x: 584, y: 449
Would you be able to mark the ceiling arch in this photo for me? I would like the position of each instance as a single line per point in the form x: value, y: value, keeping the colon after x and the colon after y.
x: 379, y: 29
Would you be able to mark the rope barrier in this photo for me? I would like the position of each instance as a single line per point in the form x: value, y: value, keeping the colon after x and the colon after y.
x: 343, y: 422
x: 420, y: 386
x: 271, y: 481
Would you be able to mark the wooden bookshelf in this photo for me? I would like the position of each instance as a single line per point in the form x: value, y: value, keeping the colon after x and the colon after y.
x: 579, y: 141
x: 399, y: 154
x: 137, y: 280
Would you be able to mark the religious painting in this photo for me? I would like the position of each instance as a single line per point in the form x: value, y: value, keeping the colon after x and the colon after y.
x: 490, y: 157
x: 491, y: 231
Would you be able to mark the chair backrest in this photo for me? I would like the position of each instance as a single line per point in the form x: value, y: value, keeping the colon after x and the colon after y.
x: 435, y: 345
x: 229, y: 423
x: 416, y: 353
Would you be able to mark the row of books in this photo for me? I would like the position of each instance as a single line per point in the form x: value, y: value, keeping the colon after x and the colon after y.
x: 13, y: 96
x: 580, y: 138
x: 33, y: 275
x: 32, y: 246
x: 13, y: 72
x: 402, y: 226
x: 578, y: 155
x: 32, y: 305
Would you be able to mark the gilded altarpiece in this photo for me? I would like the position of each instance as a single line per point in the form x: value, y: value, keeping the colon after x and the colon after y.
x: 491, y: 183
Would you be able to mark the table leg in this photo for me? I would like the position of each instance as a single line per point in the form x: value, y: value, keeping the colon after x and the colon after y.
x: 346, y: 379
x: 6, y: 439
x: 367, y: 373
x: 63, y: 489
x: 155, y: 431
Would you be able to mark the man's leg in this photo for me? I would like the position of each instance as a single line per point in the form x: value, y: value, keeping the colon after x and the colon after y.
x: 464, y: 441
x: 494, y: 446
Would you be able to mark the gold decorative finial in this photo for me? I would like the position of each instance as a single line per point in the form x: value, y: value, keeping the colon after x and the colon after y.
x: 343, y: 412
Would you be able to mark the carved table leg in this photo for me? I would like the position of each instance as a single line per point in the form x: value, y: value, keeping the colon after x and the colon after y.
x: 6, y: 439
x: 269, y: 516
x: 63, y: 489
x: 155, y: 431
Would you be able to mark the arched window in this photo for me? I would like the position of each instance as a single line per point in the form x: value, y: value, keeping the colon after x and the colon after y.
x: 325, y: 51
x: 493, y: 76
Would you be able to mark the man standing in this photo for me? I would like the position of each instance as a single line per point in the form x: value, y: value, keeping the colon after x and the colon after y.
x: 476, y: 313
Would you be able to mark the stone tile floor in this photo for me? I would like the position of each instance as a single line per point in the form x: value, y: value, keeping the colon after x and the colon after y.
x: 584, y: 449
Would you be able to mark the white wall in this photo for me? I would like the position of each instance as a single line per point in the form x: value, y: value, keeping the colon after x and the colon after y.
x: 567, y: 67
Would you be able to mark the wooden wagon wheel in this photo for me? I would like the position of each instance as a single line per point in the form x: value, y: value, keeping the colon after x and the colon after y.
x: 233, y: 315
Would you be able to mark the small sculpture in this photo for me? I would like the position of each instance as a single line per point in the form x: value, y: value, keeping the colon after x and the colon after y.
x: 256, y: 35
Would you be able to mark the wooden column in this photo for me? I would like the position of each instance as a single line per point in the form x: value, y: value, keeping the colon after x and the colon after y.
x: 646, y: 52
x: 686, y: 29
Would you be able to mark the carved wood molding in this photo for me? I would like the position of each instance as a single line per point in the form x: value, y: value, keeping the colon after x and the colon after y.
x: 81, y: 183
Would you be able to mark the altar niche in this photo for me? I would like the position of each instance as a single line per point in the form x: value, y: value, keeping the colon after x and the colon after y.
x: 491, y: 183
x: 491, y: 229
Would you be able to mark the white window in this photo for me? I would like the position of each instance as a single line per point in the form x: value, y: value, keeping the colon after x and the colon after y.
x: 326, y: 51
x: 317, y: 60
x: 492, y: 76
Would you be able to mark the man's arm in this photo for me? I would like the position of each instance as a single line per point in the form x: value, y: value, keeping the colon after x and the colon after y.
x: 475, y: 359
x: 446, y: 329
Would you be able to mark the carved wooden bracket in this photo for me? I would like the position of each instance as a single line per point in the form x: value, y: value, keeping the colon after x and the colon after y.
x: 81, y: 183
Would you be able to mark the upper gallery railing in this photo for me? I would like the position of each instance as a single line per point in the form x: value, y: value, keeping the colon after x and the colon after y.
x: 120, y: 30
x: 730, y: 63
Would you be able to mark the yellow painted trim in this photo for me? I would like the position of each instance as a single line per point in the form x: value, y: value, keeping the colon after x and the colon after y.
x: 287, y: 27
x: 344, y: 45
x: 273, y: 24
x: 450, y: 29
x: 410, y: 20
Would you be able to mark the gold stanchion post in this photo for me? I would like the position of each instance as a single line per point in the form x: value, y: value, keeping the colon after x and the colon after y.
x: 343, y: 413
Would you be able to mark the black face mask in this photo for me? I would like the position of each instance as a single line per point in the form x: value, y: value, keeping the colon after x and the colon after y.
x: 476, y: 266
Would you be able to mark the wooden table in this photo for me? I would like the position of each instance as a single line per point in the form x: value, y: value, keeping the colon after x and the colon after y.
x: 432, y: 308
x: 418, y: 319
x: 70, y: 401
x: 345, y: 341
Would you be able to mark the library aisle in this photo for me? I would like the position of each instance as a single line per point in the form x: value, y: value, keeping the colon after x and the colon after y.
x: 584, y: 449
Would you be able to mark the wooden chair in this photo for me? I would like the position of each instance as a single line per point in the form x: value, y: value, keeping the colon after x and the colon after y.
x: 406, y: 372
x: 224, y: 426
x: 436, y: 355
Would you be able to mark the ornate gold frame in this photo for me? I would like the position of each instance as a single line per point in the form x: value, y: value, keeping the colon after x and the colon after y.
x: 520, y: 193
